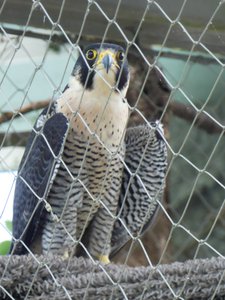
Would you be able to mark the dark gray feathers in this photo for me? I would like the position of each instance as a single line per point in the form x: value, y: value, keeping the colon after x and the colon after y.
x: 35, y: 175
x: 143, y: 182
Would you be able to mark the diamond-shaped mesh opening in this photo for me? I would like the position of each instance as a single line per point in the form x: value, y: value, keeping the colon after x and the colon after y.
x: 163, y: 230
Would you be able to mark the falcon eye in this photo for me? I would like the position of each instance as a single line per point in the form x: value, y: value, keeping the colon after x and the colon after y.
x: 120, y: 55
x: 91, y: 54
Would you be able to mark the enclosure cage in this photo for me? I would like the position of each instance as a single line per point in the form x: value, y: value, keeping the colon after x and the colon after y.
x: 175, y: 51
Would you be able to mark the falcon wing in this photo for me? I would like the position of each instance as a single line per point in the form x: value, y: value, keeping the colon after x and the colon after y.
x: 142, y: 184
x: 35, y: 175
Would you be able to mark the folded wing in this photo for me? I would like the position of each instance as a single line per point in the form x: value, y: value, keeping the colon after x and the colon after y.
x: 35, y: 176
x: 143, y: 182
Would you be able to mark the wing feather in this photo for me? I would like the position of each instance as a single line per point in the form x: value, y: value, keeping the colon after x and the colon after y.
x: 142, y: 184
x: 35, y: 175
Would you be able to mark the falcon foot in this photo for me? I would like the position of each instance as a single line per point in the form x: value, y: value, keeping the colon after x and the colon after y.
x: 103, y: 259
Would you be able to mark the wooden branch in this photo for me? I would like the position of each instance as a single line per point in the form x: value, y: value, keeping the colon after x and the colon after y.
x: 8, y: 115
x: 187, y: 112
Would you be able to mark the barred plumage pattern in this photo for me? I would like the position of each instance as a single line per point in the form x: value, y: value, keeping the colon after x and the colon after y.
x: 143, y: 182
x: 78, y: 175
x: 94, y: 176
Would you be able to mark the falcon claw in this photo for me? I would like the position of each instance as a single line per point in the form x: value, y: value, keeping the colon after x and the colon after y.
x: 66, y: 255
x: 104, y: 259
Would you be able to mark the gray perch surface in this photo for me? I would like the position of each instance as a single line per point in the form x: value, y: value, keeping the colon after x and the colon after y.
x: 53, y: 277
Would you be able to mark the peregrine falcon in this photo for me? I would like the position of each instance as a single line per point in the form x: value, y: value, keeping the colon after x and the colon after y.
x: 80, y: 175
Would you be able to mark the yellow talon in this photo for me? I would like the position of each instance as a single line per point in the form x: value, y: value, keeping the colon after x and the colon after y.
x: 66, y: 255
x: 104, y: 259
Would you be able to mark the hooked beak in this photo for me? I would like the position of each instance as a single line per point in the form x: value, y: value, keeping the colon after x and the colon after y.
x: 107, y: 62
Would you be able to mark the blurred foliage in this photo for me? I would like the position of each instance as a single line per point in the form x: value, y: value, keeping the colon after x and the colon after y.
x: 56, y: 47
x: 8, y: 225
x: 5, y: 245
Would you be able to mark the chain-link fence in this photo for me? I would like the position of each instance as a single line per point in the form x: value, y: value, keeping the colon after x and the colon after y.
x: 175, y: 53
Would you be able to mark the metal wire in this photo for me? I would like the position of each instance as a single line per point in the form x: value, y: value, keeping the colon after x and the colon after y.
x: 8, y: 58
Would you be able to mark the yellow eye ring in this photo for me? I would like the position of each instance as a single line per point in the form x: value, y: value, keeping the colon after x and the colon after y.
x: 91, y: 54
x: 120, y: 55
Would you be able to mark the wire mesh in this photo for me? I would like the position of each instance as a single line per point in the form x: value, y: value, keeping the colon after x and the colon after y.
x: 182, y: 88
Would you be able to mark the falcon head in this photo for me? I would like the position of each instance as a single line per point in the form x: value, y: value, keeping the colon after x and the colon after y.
x: 103, y: 65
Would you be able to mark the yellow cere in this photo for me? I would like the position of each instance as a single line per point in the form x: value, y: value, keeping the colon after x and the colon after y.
x: 103, y: 53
